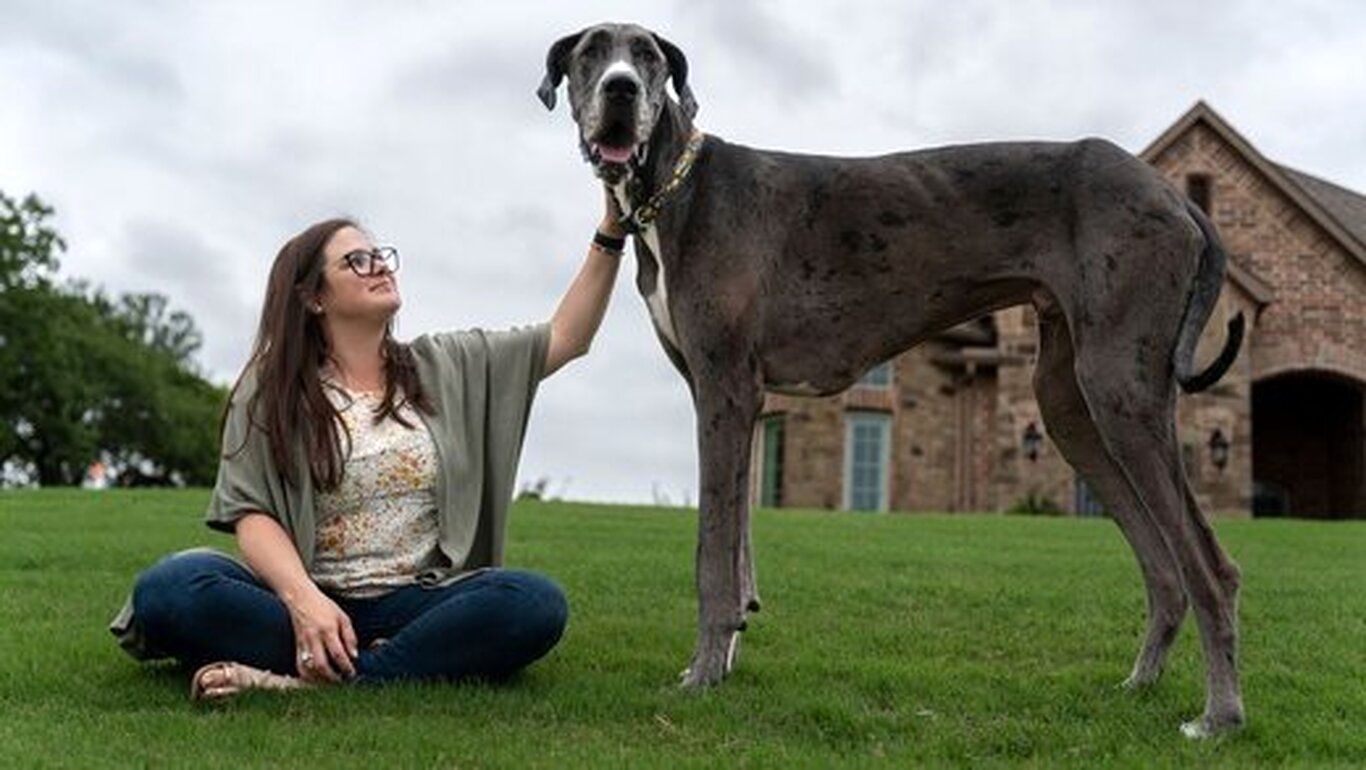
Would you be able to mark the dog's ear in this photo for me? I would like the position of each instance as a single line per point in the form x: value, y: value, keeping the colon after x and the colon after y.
x: 555, y: 63
x: 678, y: 70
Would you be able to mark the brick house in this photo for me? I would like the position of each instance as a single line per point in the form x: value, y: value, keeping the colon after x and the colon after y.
x: 952, y: 425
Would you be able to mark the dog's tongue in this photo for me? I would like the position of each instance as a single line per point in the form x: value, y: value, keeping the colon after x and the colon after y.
x: 614, y: 154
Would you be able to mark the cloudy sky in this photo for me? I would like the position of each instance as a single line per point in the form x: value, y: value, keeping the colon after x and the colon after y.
x: 183, y: 143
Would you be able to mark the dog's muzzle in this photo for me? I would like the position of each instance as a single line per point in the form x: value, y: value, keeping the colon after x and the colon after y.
x: 613, y: 147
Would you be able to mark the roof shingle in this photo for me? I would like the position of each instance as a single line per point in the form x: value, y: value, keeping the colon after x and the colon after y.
x: 1346, y: 206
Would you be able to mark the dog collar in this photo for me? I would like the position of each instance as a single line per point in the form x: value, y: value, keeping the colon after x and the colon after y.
x: 644, y: 215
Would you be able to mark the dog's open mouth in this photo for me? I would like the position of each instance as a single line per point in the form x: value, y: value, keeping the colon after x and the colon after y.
x: 613, y: 145
x: 616, y: 154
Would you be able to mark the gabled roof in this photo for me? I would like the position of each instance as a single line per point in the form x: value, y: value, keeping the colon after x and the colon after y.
x: 1346, y: 206
x: 1339, y: 211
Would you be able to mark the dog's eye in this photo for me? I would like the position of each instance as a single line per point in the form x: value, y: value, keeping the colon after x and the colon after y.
x: 643, y: 52
x: 595, y: 43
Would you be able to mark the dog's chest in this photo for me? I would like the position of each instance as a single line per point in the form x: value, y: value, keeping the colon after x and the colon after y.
x: 657, y: 301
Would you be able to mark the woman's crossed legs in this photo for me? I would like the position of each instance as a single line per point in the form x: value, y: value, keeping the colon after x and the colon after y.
x: 202, y: 607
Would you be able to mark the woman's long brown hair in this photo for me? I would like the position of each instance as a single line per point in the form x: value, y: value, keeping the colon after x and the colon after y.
x: 290, y: 349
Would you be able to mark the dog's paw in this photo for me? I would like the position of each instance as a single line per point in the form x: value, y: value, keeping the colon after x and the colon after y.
x: 701, y: 674
x: 696, y: 677
x: 714, y: 658
x: 1196, y: 730
x: 1209, y: 727
x: 1135, y: 683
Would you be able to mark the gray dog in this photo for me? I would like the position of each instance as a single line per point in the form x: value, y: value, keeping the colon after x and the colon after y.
x: 796, y: 273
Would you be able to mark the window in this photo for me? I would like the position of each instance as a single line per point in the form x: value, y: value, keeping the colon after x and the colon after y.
x: 867, y: 445
x: 1198, y: 190
x: 1086, y: 501
x: 879, y: 376
x: 771, y: 449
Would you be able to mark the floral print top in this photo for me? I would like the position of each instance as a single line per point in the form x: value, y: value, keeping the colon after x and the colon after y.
x: 378, y: 529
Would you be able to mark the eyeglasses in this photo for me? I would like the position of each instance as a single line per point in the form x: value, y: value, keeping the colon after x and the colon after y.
x: 370, y: 263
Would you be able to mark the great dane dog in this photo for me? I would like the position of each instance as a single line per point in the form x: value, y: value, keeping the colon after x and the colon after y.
x: 796, y: 273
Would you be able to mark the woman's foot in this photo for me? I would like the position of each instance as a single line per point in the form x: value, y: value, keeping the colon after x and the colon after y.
x: 224, y: 679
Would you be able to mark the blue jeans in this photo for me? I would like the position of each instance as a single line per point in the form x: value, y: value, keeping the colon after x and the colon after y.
x: 202, y: 607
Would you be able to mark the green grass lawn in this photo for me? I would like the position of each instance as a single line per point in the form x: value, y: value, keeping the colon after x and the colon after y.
x: 885, y: 640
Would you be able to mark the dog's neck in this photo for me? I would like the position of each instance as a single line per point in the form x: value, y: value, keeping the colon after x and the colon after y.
x: 667, y: 143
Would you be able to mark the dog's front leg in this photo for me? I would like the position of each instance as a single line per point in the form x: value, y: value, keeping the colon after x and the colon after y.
x: 749, y: 585
x: 725, y: 419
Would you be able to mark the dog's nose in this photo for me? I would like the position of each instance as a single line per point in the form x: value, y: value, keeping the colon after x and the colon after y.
x: 620, y: 87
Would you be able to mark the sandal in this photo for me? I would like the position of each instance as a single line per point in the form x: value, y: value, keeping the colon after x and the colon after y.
x: 236, y: 678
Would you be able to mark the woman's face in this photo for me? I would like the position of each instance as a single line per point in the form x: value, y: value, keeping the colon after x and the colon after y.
x: 348, y: 295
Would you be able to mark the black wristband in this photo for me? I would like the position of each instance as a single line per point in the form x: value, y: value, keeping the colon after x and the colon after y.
x: 608, y: 242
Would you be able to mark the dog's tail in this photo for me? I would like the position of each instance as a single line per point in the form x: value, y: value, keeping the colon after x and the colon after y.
x: 1208, y: 280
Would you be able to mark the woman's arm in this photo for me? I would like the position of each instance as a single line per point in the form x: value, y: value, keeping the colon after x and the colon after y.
x: 320, y: 626
x: 580, y: 312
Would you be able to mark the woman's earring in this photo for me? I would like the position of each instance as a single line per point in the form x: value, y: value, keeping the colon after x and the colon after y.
x: 318, y: 309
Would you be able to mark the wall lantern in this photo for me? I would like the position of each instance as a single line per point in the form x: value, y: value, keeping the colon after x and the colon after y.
x: 1031, y: 441
x: 1218, y: 449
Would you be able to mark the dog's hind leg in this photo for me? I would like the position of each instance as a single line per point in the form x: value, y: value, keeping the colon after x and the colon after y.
x: 1224, y: 568
x: 1133, y: 402
x: 726, y: 410
x: 1070, y: 425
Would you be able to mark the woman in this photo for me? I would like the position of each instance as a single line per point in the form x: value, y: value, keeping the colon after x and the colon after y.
x: 367, y: 483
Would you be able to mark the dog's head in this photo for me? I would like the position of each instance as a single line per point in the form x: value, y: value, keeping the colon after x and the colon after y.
x: 617, y: 74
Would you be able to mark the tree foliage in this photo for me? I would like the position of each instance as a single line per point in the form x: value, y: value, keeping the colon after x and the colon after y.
x: 28, y: 248
x: 84, y: 376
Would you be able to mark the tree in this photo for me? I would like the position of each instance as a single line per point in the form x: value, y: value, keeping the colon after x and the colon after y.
x: 28, y: 248
x: 52, y: 383
x: 146, y: 319
x: 162, y: 412
x: 84, y: 376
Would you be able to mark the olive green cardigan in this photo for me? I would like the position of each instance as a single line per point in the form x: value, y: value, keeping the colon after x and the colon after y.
x: 481, y: 385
